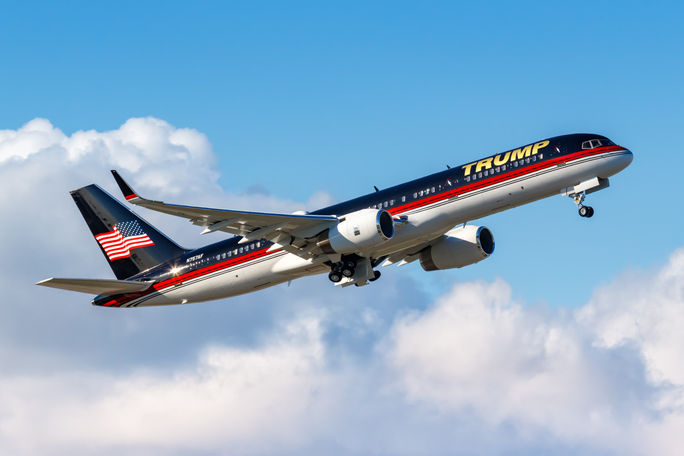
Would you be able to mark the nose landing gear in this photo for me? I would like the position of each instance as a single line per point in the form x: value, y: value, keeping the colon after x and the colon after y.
x: 584, y: 211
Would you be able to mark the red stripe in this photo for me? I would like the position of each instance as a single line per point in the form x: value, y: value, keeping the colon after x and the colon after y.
x: 119, y: 301
x: 131, y: 196
x: 501, y: 178
x: 110, y: 234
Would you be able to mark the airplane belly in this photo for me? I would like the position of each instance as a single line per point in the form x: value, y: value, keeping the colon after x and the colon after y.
x: 220, y: 284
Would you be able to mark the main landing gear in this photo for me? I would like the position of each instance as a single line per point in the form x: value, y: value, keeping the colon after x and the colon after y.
x: 345, y: 268
x: 584, y: 211
x: 348, y: 268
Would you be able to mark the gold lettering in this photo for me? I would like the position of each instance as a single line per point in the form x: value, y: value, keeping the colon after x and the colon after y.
x: 521, y: 153
x: 539, y: 145
x: 498, y: 161
x: 467, y: 168
x: 486, y: 163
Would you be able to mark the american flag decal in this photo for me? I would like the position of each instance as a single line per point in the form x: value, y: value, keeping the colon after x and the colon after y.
x: 125, y: 237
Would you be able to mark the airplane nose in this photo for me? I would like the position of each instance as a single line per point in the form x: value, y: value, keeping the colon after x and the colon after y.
x: 623, y: 160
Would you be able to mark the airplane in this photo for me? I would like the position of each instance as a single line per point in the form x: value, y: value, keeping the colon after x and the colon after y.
x: 422, y: 220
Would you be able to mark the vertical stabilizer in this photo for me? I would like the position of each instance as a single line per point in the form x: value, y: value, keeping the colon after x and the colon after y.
x: 128, y: 242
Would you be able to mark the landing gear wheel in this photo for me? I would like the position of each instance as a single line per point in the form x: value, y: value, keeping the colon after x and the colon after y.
x: 348, y: 268
x: 348, y: 272
x: 376, y: 276
x: 335, y: 276
x: 586, y: 211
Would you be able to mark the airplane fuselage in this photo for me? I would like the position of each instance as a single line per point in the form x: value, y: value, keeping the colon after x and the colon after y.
x: 424, y: 208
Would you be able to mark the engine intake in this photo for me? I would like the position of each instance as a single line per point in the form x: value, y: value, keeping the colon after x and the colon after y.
x: 459, y: 247
x: 358, y: 231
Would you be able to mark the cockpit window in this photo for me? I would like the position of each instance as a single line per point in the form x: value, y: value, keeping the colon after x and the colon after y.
x: 592, y: 143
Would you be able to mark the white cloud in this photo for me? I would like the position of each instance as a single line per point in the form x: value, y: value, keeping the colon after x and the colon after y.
x: 237, y: 400
x: 476, y: 370
x: 354, y: 372
x: 609, y: 374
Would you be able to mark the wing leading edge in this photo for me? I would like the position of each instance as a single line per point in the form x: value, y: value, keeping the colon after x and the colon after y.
x: 96, y: 286
x: 292, y: 232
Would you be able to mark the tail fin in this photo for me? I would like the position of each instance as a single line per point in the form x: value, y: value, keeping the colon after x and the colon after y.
x: 129, y: 243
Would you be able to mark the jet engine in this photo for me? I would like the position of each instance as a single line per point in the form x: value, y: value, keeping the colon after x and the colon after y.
x: 358, y: 231
x: 457, y: 248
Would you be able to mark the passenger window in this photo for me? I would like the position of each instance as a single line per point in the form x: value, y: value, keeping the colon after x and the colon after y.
x: 432, y: 189
x: 479, y: 174
x: 403, y: 199
x: 415, y: 195
x: 515, y: 164
x: 391, y: 202
x: 467, y: 179
x: 420, y: 193
x: 504, y: 167
x: 541, y: 156
x: 386, y: 204
x: 258, y: 244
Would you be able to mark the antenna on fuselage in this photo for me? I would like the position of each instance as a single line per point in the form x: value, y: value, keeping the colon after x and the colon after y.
x: 448, y: 167
x: 376, y: 188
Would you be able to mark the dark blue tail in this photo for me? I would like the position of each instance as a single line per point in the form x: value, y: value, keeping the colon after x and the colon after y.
x: 130, y: 244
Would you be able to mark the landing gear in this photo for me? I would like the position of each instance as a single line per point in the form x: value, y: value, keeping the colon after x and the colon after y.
x: 353, y: 269
x: 342, y: 269
x: 335, y: 275
x: 584, y: 211
x: 348, y: 268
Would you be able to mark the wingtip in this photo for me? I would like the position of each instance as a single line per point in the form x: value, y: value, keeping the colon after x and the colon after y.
x: 126, y: 189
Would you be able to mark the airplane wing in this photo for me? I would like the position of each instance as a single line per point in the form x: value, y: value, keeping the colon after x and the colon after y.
x: 96, y: 286
x: 406, y: 256
x: 291, y: 232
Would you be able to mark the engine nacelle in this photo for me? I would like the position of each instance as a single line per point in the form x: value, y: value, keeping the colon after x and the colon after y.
x: 457, y: 248
x: 358, y: 231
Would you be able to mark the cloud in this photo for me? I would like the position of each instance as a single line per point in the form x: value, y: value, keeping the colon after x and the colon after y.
x: 237, y: 400
x: 305, y: 369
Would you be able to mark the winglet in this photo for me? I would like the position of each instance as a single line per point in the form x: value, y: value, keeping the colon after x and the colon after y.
x: 126, y: 189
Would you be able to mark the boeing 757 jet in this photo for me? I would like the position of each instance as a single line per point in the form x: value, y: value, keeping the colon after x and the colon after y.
x: 422, y: 220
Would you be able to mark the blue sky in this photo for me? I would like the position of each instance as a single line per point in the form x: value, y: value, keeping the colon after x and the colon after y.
x: 300, y: 98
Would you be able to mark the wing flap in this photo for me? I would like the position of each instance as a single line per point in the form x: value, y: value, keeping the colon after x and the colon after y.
x: 96, y: 286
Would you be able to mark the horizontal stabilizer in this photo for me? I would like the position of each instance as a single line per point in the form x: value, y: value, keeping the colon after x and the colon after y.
x: 96, y: 286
